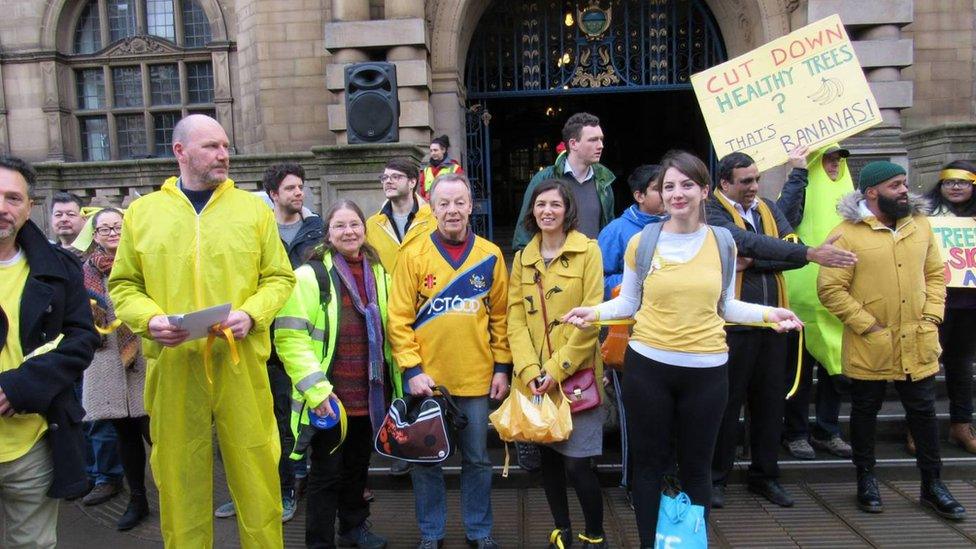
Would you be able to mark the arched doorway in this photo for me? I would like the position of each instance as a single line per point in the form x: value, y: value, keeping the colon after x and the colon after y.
x: 532, y: 64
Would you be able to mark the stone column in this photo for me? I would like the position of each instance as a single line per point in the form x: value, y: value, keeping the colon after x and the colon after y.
x: 875, y: 30
x: 402, y: 9
x: 413, y: 89
x: 350, y: 10
x: 4, y: 133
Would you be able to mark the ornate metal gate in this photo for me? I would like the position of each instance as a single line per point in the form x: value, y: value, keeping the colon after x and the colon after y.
x: 478, y: 167
x: 563, y: 47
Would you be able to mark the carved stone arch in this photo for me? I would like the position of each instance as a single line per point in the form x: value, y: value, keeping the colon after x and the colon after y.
x: 60, y: 16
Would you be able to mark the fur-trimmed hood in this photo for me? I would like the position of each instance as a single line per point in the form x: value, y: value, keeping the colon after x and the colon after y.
x: 849, y: 206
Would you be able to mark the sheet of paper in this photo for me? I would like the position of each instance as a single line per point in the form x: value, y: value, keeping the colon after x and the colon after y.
x: 198, y: 323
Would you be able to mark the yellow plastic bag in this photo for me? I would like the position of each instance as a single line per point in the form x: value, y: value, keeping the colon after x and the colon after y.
x: 519, y: 419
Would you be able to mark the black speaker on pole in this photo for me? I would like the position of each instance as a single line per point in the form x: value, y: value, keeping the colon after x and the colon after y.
x: 372, y: 107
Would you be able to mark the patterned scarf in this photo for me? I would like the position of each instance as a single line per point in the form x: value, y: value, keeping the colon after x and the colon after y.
x: 96, y: 269
x: 374, y: 330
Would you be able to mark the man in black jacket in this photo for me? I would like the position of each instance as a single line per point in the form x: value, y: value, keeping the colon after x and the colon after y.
x: 48, y: 339
x: 767, y: 247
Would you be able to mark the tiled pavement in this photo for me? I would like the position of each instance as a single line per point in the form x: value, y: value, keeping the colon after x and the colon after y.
x: 824, y: 516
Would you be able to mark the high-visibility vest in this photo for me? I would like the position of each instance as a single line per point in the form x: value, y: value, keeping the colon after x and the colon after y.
x: 324, y: 332
x: 430, y: 174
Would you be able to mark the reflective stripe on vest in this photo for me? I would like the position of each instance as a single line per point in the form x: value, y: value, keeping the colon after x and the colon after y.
x: 328, y: 325
x: 429, y: 174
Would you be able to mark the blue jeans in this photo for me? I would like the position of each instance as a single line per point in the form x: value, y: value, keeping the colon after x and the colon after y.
x: 428, y: 480
x: 101, y: 449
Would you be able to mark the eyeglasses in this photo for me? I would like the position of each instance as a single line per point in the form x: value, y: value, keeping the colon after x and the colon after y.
x: 956, y: 183
x: 395, y: 177
x: 105, y: 231
x: 341, y: 227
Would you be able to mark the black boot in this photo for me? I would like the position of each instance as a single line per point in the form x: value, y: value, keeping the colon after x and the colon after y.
x: 936, y: 495
x: 137, y: 510
x: 868, y: 492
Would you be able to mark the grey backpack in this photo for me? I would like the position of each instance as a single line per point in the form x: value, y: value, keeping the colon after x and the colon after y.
x: 726, y: 249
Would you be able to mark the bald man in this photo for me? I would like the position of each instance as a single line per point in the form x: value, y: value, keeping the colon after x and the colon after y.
x: 196, y: 243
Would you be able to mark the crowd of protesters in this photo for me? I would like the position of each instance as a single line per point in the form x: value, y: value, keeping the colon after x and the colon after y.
x: 332, y: 317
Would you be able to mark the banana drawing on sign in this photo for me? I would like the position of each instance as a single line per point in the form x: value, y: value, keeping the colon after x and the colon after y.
x: 803, y: 89
x: 830, y: 89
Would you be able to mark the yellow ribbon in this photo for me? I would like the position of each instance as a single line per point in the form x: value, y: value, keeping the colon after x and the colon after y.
x: 799, y: 365
x: 216, y: 330
x: 114, y: 325
x: 619, y: 322
x: 772, y: 325
x: 343, y: 426
x: 47, y: 347
x: 957, y: 174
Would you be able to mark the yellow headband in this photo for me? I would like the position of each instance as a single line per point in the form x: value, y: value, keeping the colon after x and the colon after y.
x: 957, y: 174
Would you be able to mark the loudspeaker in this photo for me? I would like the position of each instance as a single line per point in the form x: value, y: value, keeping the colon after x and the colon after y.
x: 372, y: 107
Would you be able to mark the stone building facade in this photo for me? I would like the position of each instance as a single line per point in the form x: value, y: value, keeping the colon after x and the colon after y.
x: 91, y: 88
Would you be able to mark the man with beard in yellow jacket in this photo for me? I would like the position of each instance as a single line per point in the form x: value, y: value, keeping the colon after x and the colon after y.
x: 197, y: 243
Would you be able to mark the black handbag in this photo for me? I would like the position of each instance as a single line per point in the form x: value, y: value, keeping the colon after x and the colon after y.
x: 421, y: 429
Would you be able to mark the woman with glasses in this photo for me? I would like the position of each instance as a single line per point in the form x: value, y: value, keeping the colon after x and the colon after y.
x: 331, y: 337
x: 114, y: 383
x: 953, y: 196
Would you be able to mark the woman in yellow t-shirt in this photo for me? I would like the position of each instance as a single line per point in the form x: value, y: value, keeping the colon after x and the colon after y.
x: 676, y: 379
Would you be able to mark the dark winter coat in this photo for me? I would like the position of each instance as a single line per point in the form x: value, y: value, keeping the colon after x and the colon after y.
x: 54, y: 302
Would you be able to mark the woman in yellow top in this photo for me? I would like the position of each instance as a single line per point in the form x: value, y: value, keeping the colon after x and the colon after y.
x: 677, y: 384
x: 559, y: 269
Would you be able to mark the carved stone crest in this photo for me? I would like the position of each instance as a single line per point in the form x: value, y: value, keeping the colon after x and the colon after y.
x: 140, y: 45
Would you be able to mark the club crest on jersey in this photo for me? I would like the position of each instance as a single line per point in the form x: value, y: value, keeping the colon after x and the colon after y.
x: 430, y: 281
x: 478, y: 282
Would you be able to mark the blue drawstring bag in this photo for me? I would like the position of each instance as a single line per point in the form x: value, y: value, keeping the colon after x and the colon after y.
x: 680, y: 524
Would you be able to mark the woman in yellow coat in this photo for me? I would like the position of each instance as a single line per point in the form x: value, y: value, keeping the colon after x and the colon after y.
x: 558, y: 270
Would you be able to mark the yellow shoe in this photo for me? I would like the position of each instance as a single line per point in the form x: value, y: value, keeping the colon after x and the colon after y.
x: 560, y: 538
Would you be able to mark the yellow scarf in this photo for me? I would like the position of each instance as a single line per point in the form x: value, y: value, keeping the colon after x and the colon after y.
x: 769, y: 229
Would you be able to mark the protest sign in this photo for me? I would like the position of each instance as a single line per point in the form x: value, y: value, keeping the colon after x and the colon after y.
x: 956, y: 237
x: 803, y: 89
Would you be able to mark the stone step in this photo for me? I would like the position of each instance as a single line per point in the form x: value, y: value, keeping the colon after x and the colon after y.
x: 891, y: 457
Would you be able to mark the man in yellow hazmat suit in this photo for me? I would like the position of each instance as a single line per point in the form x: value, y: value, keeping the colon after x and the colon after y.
x: 196, y: 243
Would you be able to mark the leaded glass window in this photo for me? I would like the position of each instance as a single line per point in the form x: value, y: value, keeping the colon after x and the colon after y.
x: 88, y: 36
x: 164, y: 81
x: 121, y: 19
x: 91, y: 88
x: 127, y: 82
x: 163, y: 124
x: 199, y: 82
x: 196, y: 27
x: 94, y: 138
x: 161, y: 19
x: 127, y: 106
x: 131, y: 129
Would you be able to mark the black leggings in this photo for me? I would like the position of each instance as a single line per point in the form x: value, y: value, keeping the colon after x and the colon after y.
x: 555, y: 468
x: 958, y: 349
x: 132, y: 432
x: 665, y: 402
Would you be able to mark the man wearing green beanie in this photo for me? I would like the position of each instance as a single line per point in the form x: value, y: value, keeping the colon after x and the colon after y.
x: 890, y: 328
